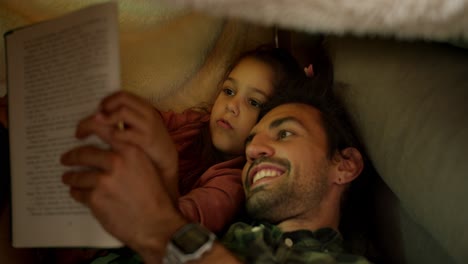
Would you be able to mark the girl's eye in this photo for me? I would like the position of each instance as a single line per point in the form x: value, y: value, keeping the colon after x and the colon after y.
x: 228, y: 91
x: 255, y: 103
x: 282, y: 134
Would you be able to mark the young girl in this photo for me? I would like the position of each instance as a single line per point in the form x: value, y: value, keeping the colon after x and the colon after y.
x: 210, y: 144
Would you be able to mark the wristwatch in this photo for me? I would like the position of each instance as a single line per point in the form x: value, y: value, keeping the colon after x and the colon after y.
x: 188, y: 243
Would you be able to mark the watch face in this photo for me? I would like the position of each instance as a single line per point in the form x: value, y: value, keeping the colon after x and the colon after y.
x: 191, y: 240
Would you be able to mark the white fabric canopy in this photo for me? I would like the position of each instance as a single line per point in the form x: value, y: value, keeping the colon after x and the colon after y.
x: 443, y: 20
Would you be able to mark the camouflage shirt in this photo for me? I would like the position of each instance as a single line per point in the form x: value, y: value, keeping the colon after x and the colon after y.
x: 266, y: 243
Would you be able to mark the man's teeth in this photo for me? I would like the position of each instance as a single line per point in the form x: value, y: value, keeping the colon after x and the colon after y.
x: 265, y: 173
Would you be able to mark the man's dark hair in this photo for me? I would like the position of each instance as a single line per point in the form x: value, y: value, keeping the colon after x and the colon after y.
x: 320, y: 93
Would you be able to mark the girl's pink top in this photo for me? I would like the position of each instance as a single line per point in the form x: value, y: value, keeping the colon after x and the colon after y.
x: 210, y: 196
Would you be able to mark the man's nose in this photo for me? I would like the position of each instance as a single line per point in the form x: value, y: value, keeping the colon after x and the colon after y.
x: 260, y: 146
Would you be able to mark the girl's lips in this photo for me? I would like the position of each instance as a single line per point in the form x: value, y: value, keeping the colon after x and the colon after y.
x: 224, y: 124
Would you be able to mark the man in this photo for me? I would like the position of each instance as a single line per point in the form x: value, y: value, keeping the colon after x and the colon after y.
x: 301, y: 159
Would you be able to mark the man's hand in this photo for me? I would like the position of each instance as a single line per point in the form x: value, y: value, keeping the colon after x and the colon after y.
x: 142, y: 126
x: 143, y: 129
x: 124, y: 191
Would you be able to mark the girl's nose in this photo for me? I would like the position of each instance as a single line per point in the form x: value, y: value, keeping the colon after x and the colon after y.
x: 233, y: 107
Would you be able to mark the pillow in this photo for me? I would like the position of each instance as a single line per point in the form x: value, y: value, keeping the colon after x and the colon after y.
x: 409, y: 100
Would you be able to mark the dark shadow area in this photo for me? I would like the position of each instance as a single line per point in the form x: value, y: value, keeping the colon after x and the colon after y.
x: 4, y: 168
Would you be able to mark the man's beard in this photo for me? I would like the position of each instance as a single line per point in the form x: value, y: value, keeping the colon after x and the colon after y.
x: 288, y: 200
x: 266, y: 207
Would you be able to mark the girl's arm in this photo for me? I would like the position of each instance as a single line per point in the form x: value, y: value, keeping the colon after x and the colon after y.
x: 216, y: 197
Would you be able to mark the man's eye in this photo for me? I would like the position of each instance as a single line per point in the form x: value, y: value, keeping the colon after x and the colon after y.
x: 255, y: 103
x: 228, y: 91
x: 282, y: 134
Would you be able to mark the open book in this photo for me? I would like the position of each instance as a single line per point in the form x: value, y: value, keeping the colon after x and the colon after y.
x: 57, y: 72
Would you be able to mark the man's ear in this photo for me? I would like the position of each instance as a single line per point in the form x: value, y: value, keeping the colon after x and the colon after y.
x: 349, y: 165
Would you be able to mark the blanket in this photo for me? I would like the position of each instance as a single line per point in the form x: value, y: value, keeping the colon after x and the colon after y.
x: 427, y: 19
x: 158, y: 64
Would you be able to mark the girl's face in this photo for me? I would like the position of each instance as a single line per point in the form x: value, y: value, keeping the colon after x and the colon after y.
x: 235, y: 110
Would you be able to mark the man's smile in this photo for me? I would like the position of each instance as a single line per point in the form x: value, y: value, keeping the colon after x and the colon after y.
x: 264, y: 172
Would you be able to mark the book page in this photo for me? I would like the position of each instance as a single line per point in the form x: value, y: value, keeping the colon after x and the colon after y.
x: 57, y: 73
